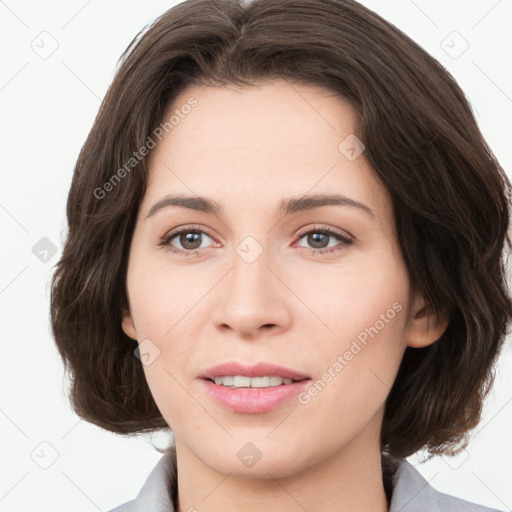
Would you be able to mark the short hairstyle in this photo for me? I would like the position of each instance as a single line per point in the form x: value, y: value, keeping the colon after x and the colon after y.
x: 451, y: 200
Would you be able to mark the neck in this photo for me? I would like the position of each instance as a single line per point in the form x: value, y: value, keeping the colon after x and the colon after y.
x: 347, y: 480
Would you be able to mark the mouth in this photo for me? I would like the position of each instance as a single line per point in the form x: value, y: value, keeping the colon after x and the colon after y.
x: 260, y: 375
x: 243, y: 381
x: 253, y: 389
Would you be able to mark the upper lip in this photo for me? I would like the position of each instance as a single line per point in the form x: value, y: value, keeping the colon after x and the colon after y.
x: 256, y: 370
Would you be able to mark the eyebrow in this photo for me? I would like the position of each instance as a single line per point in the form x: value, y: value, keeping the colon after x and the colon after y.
x: 287, y: 206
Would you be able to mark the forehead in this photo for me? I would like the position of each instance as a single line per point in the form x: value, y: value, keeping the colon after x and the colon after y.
x: 270, y: 139
x: 274, y: 116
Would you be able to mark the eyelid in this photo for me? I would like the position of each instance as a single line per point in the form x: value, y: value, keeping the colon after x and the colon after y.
x: 187, y: 227
x: 320, y: 227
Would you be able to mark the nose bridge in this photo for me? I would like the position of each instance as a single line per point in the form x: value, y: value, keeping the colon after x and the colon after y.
x: 250, y: 296
x: 250, y: 276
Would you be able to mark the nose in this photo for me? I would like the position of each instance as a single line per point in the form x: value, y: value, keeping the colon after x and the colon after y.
x: 252, y: 298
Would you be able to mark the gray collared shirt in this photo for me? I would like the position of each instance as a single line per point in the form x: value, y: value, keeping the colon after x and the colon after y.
x: 410, y: 492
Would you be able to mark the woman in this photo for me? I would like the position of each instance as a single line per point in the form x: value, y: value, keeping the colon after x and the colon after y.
x: 289, y: 208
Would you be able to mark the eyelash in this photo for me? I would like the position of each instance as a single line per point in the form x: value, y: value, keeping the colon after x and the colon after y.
x: 345, y: 239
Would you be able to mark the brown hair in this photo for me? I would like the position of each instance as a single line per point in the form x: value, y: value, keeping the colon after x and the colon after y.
x: 451, y: 200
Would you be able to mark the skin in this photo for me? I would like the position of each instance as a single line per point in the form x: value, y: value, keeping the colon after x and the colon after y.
x: 248, y: 149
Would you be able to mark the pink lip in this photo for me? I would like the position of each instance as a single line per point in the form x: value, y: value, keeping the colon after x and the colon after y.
x: 257, y: 370
x: 253, y: 400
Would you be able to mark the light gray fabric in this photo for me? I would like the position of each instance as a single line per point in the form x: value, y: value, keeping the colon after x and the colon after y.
x: 411, y: 493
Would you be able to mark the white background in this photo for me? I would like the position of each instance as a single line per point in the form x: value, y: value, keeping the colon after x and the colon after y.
x: 47, y: 109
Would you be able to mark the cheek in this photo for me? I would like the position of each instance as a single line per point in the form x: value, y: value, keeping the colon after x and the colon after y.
x: 356, y: 378
x: 157, y: 299
x: 360, y: 299
x: 360, y: 354
x: 165, y: 310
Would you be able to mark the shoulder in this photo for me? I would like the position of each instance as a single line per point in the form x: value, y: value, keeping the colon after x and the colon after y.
x: 412, y: 493
x: 129, y: 506
x: 157, y: 493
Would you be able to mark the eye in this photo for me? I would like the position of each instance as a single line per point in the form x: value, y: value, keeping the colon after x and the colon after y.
x: 318, y: 237
x: 189, y: 237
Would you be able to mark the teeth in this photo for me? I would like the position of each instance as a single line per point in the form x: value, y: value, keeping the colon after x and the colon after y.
x: 240, y: 381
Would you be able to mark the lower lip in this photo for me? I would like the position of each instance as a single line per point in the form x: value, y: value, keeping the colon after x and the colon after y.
x: 254, y: 400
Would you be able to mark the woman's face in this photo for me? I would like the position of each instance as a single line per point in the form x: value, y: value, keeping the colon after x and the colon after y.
x: 261, y: 281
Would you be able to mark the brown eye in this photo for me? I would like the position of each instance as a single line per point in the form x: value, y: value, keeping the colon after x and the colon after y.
x: 186, y: 241
x: 318, y: 238
x: 189, y: 239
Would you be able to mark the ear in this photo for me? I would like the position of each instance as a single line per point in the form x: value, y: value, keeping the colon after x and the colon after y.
x: 424, y: 329
x: 128, y: 326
